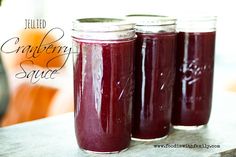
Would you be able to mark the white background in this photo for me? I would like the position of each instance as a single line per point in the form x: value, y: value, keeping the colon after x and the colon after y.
x: 62, y: 12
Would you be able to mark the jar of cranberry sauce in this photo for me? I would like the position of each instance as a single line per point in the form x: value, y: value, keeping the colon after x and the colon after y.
x: 194, y: 72
x: 154, y: 76
x: 103, y: 83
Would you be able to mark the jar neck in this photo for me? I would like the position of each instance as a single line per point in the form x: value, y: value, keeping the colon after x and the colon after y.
x: 103, y: 29
x: 156, y: 28
x: 152, y: 23
x: 196, y: 24
x: 116, y: 35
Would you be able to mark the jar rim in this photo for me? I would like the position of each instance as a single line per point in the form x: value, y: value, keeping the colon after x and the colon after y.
x: 103, y: 29
x: 151, y: 20
x: 98, y: 20
x: 196, y: 23
x: 197, y: 18
x: 102, y: 24
x: 144, y: 15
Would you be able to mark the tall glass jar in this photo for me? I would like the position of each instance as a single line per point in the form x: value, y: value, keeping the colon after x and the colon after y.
x: 194, y: 72
x: 103, y: 83
x: 4, y: 90
x: 154, y: 76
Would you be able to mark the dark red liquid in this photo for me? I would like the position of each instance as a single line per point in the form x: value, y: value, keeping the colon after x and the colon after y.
x: 103, y: 88
x: 194, y: 78
x: 154, y: 79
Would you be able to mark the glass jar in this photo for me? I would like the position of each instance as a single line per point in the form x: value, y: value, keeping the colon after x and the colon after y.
x: 103, y: 83
x: 194, y: 72
x: 4, y: 90
x: 154, y: 76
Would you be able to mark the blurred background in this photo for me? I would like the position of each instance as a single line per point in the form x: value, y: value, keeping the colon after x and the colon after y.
x: 22, y: 101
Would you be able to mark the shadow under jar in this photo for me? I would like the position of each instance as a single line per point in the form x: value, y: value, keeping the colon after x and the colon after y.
x: 103, y: 83
x: 194, y: 72
x: 154, y: 76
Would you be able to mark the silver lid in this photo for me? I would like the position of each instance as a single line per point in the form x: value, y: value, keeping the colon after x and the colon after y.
x: 152, y: 23
x: 103, y: 29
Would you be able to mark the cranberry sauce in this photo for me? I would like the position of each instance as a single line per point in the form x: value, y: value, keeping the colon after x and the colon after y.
x: 194, y: 78
x: 154, y: 79
x: 103, y: 90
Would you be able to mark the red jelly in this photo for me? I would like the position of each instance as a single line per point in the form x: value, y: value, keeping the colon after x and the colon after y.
x: 103, y: 85
x: 154, y: 77
x: 194, y: 76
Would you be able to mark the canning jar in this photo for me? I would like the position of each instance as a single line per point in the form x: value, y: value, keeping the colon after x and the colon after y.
x: 103, y: 83
x: 194, y: 72
x: 154, y: 76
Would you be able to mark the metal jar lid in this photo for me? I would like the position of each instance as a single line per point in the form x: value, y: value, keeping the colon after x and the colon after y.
x: 152, y: 23
x: 103, y: 29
